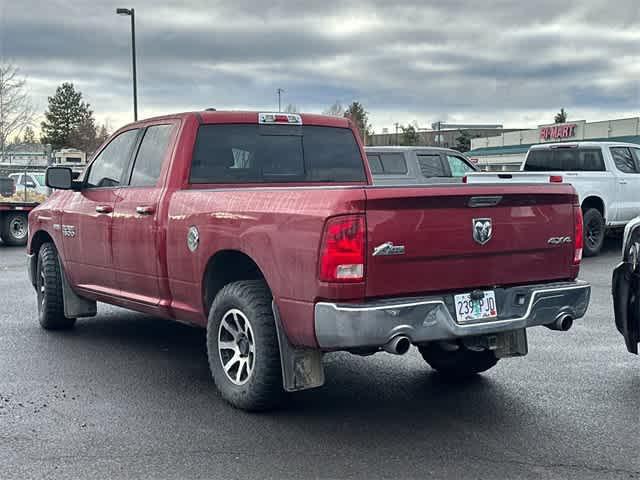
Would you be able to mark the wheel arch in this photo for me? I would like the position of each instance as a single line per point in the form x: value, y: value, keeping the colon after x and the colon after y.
x: 224, y: 267
x: 594, y: 201
x: 37, y: 240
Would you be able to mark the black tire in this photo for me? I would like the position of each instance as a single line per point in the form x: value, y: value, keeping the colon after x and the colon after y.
x: 254, y: 381
x: 594, y: 232
x: 14, y: 229
x: 459, y: 363
x: 49, y: 290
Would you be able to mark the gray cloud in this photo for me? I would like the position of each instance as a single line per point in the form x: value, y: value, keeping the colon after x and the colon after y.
x: 405, y: 60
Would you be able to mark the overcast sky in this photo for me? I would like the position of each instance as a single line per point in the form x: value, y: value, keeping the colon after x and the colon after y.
x: 511, y: 62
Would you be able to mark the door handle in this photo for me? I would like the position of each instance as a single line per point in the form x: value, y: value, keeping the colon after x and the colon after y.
x: 622, y: 182
x: 144, y: 210
x: 104, y: 209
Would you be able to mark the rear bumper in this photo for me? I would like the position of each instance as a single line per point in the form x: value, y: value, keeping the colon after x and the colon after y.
x: 347, y: 326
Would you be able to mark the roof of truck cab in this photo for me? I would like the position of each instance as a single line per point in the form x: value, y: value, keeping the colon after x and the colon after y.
x: 236, y: 116
x: 585, y: 143
x: 396, y: 148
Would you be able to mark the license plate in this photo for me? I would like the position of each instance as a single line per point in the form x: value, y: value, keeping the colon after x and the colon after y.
x: 468, y: 310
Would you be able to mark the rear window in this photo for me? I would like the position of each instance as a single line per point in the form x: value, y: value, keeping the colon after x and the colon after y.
x: 565, y: 159
x: 275, y: 153
x: 431, y: 165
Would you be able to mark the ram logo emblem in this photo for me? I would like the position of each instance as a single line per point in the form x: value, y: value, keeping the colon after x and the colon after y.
x: 482, y: 230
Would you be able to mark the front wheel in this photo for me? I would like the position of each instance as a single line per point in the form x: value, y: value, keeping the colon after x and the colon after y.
x: 49, y: 290
x: 14, y: 229
x: 242, y: 346
x: 456, y: 360
x: 594, y: 232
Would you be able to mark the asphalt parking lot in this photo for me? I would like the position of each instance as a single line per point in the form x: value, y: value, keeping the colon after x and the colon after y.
x: 124, y: 395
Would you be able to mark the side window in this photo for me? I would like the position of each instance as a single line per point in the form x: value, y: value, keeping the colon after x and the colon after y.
x: 459, y: 168
x: 431, y: 166
x: 393, y: 163
x: 374, y: 163
x: 153, y: 149
x: 623, y: 159
x: 108, y: 167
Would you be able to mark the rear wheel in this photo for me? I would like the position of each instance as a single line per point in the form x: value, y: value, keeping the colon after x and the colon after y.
x: 14, y: 229
x: 49, y: 290
x: 594, y: 232
x: 242, y: 346
x: 455, y: 360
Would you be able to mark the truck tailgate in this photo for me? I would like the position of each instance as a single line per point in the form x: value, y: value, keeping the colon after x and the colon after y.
x: 435, y: 224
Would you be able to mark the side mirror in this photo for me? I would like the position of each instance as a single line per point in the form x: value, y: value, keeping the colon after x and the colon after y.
x: 60, y: 178
x: 31, y: 185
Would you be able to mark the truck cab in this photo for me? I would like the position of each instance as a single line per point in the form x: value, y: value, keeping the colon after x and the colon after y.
x: 417, y: 165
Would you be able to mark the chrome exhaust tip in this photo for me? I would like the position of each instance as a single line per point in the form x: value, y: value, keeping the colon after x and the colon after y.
x: 562, y: 323
x: 398, y: 345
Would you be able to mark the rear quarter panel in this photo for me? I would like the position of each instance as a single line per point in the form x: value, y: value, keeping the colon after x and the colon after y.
x: 279, y: 228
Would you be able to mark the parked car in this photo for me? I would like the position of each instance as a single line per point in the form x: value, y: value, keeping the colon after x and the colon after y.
x: 606, y: 176
x: 265, y: 229
x: 30, y: 180
x: 416, y: 165
x: 626, y: 287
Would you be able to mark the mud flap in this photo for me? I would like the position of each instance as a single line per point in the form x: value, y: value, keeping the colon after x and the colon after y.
x: 302, y: 368
x: 75, y: 306
x: 625, y: 286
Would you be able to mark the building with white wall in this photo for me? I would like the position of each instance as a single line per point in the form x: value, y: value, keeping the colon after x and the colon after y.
x: 508, y: 150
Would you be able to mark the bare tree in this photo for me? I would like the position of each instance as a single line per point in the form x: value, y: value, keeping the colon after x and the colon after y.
x: 336, y: 110
x: 16, y: 111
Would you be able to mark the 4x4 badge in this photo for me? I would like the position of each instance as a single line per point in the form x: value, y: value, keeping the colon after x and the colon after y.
x: 482, y: 230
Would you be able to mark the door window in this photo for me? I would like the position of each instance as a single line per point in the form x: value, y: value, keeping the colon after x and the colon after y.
x: 459, y: 168
x: 375, y: 164
x: 108, y: 168
x: 623, y: 159
x: 152, y: 151
x: 431, y: 165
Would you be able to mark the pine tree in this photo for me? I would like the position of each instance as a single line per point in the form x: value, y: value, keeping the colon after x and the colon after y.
x: 561, y: 116
x: 66, y: 113
x: 360, y: 117
x: 29, y: 136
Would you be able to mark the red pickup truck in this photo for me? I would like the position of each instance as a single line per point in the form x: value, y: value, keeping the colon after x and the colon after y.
x: 266, y: 229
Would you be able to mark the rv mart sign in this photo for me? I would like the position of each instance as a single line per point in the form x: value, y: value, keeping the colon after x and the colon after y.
x: 566, y: 130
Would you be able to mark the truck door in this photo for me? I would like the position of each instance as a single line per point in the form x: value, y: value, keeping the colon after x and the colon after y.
x: 87, y: 217
x: 628, y: 177
x: 138, y: 238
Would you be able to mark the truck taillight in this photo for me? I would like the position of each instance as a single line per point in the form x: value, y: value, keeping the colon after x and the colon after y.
x: 579, y: 234
x: 342, y: 249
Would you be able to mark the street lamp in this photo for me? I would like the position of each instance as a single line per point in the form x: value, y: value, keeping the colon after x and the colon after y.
x: 131, y: 13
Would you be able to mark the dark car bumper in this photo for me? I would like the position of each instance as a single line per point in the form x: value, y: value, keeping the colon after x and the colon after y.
x: 349, y: 326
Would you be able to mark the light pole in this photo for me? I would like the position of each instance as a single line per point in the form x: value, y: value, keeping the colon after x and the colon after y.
x: 131, y: 13
x: 280, y: 91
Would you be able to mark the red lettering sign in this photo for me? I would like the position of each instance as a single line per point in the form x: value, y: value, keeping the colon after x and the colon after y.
x: 558, y: 131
